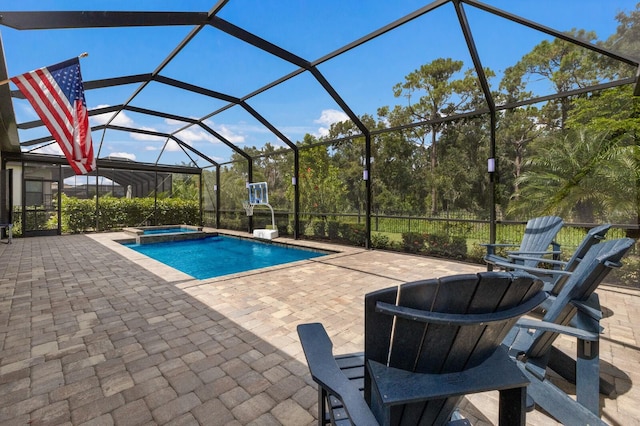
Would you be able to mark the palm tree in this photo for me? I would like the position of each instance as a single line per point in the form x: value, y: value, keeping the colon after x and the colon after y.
x: 582, y: 175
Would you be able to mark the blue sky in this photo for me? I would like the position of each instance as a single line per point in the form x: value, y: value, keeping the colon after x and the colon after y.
x: 364, y: 77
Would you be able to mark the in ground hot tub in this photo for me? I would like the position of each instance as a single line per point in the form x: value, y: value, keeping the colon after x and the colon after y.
x: 163, y: 233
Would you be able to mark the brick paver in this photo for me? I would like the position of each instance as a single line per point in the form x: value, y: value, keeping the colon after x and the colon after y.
x: 94, y: 334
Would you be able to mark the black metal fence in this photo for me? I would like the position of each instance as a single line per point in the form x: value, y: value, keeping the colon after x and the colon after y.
x: 472, y: 229
x: 456, y: 237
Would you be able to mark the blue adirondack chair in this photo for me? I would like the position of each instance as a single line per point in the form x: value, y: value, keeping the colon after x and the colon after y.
x: 575, y: 312
x: 539, y: 234
x: 427, y: 344
x: 554, y: 277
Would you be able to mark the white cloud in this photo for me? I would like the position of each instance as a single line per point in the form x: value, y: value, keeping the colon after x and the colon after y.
x: 127, y: 155
x: 172, y: 146
x: 330, y: 116
x: 51, y: 149
x: 172, y: 122
x: 194, y: 135
x: 230, y: 135
x: 234, y: 133
x: 145, y: 137
x: 327, y: 118
x: 122, y: 119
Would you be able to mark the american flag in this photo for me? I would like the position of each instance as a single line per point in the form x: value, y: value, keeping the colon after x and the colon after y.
x: 57, y: 94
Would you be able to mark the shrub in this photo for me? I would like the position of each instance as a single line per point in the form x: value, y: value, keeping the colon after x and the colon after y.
x: 353, y: 233
x: 78, y: 215
x: 283, y: 229
x: 458, y: 247
x: 171, y: 211
x: 436, y: 244
x: 412, y: 242
x: 231, y: 223
x: 333, y: 229
x: 446, y: 246
x: 629, y: 274
x: 303, y: 227
x: 379, y: 241
x: 308, y: 228
x: 17, y: 224
x: 477, y: 253
x: 396, y: 246
x: 318, y: 228
x: 345, y: 231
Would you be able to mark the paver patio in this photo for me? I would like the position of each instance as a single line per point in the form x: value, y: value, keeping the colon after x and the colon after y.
x: 91, y: 336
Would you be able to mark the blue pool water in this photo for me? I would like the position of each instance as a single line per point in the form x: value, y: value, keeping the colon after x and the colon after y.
x: 166, y: 231
x: 216, y: 256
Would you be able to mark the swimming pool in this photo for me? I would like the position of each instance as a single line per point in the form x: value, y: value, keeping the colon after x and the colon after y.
x: 221, y: 255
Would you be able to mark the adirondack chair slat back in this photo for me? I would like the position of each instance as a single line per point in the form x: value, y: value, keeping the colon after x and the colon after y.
x: 591, y: 270
x: 593, y: 237
x: 442, y: 348
x: 539, y: 232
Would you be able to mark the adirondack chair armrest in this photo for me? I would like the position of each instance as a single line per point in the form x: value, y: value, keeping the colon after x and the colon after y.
x: 491, y: 248
x: 589, y: 314
x: 612, y: 264
x: 461, y: 319
x: 318, y: 350
x: 587, y: 309
x: 499, y: 245
x: 538, y: 253
x: 541, y: 260
x: 533, y: 270
x: 555, y: 263
x: 557, y: 328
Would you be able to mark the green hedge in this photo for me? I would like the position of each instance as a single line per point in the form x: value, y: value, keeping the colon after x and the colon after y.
x: 340, y: 232
x: 441, y: 245
x: 79, y: 215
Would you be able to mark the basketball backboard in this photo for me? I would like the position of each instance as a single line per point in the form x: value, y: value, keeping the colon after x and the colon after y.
x: 258, y: 193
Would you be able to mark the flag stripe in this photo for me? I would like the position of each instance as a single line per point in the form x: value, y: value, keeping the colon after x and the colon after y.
x: 60, y: 127
x: 56, y: 98
x: 60, y: 134
x: 48, y: 99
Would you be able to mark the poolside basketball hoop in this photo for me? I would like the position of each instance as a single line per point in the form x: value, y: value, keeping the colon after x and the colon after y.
x: 259, y: 196
x: 248, y: 208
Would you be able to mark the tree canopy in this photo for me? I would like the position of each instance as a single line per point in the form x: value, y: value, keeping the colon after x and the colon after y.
x: 577, y: 156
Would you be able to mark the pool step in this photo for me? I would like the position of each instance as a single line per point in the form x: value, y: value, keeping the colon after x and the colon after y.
x: 265, y: 234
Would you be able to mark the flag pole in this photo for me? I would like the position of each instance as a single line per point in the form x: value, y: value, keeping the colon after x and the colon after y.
x: 82, y: 55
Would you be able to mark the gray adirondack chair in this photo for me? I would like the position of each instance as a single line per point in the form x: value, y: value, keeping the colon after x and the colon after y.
x: 575, y: 311
x: 427, y: 344
x: 554, y: 277
x: 539, y: 234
